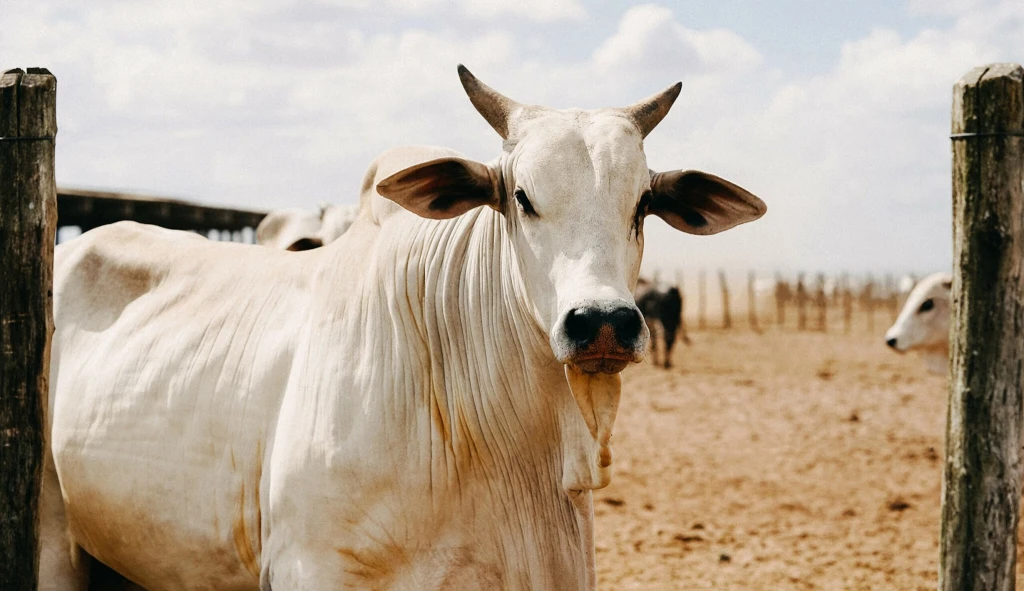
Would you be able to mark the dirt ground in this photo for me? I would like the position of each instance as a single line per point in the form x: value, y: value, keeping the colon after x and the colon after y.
x: 776, y: 461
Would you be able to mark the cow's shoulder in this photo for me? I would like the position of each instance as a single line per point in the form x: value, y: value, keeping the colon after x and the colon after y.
x: 118, y: 261
x: 106, y: 269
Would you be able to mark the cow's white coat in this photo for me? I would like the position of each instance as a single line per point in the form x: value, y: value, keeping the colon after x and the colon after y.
x: 397, y: 409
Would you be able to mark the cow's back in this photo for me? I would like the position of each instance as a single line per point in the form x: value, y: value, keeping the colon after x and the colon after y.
x: 170, y: 356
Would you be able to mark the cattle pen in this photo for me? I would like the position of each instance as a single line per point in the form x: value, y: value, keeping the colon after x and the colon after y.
x: 981, y: 463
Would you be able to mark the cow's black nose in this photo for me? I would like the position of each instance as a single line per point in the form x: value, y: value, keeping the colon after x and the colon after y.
x: 582, y: 325
x: 891, y: 343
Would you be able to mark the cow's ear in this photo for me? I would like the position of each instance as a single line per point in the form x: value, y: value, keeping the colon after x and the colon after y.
x: 443, y: 188
x: 700, y: 203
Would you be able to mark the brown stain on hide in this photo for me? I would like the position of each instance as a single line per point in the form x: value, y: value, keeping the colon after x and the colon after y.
x: 240, y: 530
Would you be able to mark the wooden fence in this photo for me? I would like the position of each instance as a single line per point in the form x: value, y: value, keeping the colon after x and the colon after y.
x: 819, y: 302
x: 89, y: 209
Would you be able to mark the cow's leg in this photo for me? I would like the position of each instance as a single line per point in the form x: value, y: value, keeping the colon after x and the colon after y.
x: 670, y: 341
x: 62, y: 565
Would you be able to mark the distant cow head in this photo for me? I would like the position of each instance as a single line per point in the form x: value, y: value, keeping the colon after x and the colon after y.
x: 574, y: 189
x: 290, y: 229
x: 923, y: 324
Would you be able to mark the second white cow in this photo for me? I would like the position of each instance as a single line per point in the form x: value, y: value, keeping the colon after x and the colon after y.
x: 923, y: 324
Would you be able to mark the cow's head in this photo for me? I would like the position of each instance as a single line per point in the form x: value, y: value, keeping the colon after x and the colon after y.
x: 923, y: 324
x: 574, y: 189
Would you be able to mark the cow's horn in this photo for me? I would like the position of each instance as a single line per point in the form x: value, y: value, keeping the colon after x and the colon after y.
x: 648, y: 113
x: 495, y: 107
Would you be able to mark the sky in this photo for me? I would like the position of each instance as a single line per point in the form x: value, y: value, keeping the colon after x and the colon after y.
x: 835, y: 113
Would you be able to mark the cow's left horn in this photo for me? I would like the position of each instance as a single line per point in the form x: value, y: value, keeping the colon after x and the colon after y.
x: 495, y: 107
x: 648, y: 113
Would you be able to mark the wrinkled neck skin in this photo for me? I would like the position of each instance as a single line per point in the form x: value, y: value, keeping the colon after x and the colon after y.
x: 510, y: 455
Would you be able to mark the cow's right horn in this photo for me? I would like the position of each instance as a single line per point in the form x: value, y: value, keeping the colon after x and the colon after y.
x: 495, y: 107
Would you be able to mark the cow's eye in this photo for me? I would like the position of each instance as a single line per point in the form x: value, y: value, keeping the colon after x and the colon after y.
x: 524, y: 203
x: 926, y: 305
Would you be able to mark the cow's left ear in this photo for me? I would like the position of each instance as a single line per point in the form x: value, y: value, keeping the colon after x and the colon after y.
x: 700, y: 203
x: 443, y: 188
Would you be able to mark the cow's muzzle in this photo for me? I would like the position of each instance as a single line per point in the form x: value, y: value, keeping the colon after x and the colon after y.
x: 600, y: 337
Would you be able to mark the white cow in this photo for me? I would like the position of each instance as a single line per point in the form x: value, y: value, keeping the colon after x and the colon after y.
x: 337, y: 219
x: 298, y: 229
x: 425, y: 403
x: 923, y: 324
x: 290, y: 229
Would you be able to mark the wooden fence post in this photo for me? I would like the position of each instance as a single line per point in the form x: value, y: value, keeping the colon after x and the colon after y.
x: 801, y: 303
x: 821, y: 302
x: 702, y: 300
x: 28, y: 222
x: 752, y: 302
x: 781, y: 299
x: 982, y: 486
x: 867, y: 302
x: 682, y: 308
x: 847, y: 304
x: 726, y: 314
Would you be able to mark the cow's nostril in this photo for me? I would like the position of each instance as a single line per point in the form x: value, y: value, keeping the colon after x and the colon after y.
x: 580, y: 326
x: 627, y: 323
x: 891, y: 343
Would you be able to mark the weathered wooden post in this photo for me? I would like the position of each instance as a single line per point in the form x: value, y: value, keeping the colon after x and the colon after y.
x: 28, y: 222
x: 682, y: 308
x: 801, y: 303
x: 867, y: 302
x: 752, y: 302
x: 982, y: 486
x: 847, y: 304
x: 781, y: 299
x: 726, y: 314
x: 821, y: 302
x: 702, y: 299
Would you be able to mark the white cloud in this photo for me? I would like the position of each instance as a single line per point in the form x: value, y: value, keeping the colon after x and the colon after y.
x: 649, y: 37
x: 543, y: 11
x: 854, y: 164
x: 536, y: 10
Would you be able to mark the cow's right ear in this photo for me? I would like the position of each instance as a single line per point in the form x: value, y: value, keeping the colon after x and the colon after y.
x: 443, y: 188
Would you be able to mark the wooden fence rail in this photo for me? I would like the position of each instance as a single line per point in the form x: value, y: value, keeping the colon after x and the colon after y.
x: 28, y: 212
x: 89, y: 209
x: 982, y: 484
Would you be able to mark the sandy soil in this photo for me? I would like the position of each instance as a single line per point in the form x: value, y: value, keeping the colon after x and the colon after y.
x: 777, y: 461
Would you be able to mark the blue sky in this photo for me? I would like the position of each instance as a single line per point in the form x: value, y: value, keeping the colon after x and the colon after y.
x: 835, y: 113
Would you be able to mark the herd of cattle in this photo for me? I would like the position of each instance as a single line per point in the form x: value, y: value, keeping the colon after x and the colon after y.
x: 415, y: 393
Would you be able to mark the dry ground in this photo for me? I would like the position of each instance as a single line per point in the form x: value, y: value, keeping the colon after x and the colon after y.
x: 776, y: 461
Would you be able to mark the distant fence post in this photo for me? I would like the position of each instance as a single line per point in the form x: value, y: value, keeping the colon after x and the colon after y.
x: 28, y: 221
x: 821, y: 302
x: 867, y: 302
x: 726, y: 313
x: 781, y: 299
x: 982, y: 485
x: 752, y: 302
x: 847, y: 304
x: 702, y: 300
x: 801, y: 303
x: 682, y: 308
